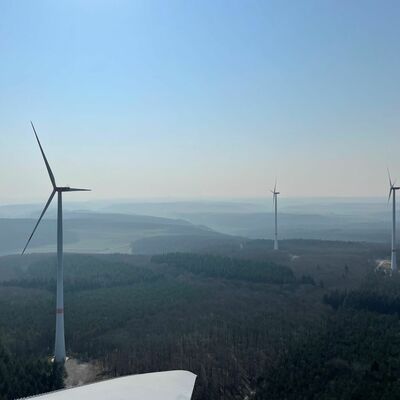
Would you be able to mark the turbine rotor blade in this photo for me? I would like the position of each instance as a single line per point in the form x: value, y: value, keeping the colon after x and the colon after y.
x: 77, y: 190
x: 40, y: 218
x: 275, y: 186
x: 390, y: 193
x: 390, y: 179
x: 53, y: 181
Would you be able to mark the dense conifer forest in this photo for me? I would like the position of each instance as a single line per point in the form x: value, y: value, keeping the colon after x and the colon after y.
x: 306, y: 322
x: 353, y: 354
x: 21, y: 377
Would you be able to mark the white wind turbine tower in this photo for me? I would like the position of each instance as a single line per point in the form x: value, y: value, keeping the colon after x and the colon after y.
x: 392, y: 192
x: 275, y: 202
x: 59, y: 349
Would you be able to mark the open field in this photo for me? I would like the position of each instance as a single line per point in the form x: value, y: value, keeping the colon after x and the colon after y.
x: 97, y: 233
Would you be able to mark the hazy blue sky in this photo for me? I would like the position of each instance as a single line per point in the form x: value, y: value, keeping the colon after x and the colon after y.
x: 199, y: 98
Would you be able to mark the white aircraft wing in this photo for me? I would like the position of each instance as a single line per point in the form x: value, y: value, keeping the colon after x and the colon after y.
x: 170, y: 385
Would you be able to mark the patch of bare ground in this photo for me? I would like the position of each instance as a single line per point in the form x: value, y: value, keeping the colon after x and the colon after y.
x: 80, y: 373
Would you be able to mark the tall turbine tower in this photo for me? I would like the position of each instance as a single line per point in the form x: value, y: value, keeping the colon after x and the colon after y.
x: 275, y: 202
x: 392, y: 192
x: 59, y: 349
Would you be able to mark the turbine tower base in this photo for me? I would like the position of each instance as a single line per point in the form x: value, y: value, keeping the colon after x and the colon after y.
x: 393, y: 265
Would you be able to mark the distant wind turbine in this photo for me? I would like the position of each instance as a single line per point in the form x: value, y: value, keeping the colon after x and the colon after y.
x: 59, y: 349
x: 275, y: 202
x: 392, y: 192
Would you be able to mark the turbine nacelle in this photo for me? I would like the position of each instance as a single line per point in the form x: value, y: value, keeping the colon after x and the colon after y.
x: 274, y: 192
x: 392, y: 185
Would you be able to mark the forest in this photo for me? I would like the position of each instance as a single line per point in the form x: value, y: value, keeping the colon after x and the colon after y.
x: 353, y: 354
x: 244, y: 321
x: 21, y: 378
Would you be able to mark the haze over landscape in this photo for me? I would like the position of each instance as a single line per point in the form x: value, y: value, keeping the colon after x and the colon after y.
x: 182, y: 117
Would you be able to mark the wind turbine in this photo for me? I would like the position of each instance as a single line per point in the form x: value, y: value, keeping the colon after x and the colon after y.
x: 392, y: 192
x: 275, y: 202
x: 59, y: 348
